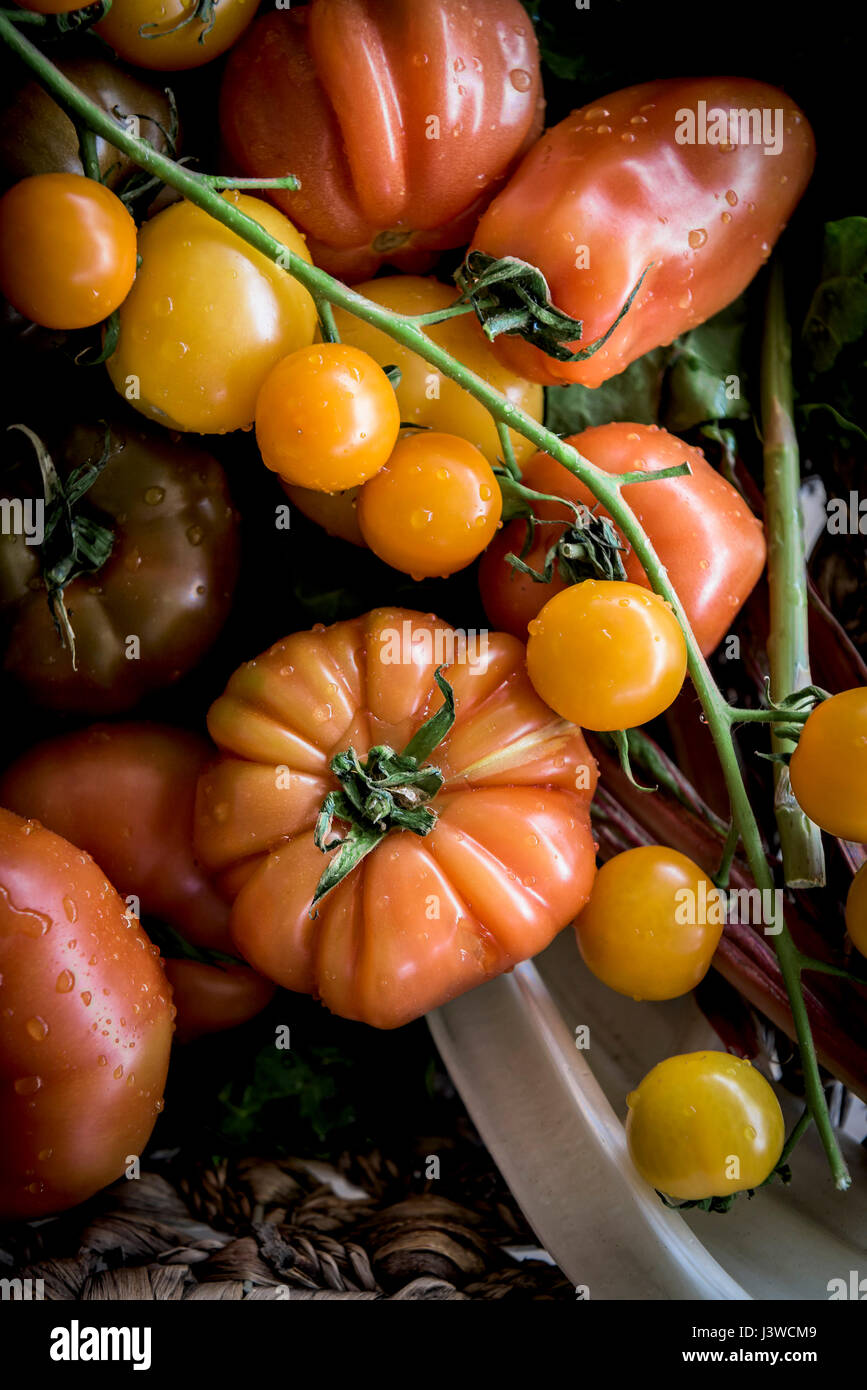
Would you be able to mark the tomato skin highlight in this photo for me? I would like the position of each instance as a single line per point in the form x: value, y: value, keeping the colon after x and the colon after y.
x: 190, y: 46
x: 856, y: 911
x: 326, y: 418
x: 207, y: 319
x: 433, y: 507
x: 703, y: 531
x: 828, y: 768
x: 702, y: 217
x: 86, y: 1028
x: 393, y: 187
x: 633, y: 934
x: 693, y: 1114
x: 67, y: 250
x: 169, y: 578
x: 420, y: 919
x: 606, y: 653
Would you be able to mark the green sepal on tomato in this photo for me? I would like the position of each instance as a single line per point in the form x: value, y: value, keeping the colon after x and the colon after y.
x: 506, y: 862
x: 701, y: 528
x: 167, y: 581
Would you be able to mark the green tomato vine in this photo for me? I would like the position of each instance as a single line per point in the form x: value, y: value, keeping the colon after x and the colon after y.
x: 721, y: 718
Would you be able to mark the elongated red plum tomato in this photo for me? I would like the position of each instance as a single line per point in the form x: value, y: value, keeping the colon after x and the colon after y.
x: 67, y: 250
x: 168, y: 581
x: 652, y: 924
x: 700, y: 526
x: 507, y: 862
x: 434, y: 506
x: 704, y: 1124
x: 829, y: 765
x: 326, y: 417
x: 606, y: 654
x: 207, y: 319
x: 696, y: 205
x: 856, y: 910
x: 172, y: 35
x: 85, y: 1030
x: 451, y: 97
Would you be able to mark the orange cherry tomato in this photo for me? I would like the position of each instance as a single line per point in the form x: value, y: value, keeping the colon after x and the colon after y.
x: 856, y: 910
x: 433, y: 507
x: 326, y: 417
x: 606, y: 654
x: 828, y: 768
x: 652, y: 924
x: 172, y: 35
x: 67, y: 250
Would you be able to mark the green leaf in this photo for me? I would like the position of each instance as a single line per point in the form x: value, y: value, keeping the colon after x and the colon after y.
x: 633, y: 395
x: 700, y: 370
x: 678, y: 386
x: 837, y: 315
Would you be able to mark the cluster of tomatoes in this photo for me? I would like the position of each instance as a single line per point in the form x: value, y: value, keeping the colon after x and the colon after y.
x: 462, y: 810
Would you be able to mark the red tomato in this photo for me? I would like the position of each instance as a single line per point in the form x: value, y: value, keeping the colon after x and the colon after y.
x: 212, y: 998
x: 126, y: 793
x: 400, y: 120
x: 85, y: 1030
x: 611, y: 190
x: 702, y: 529
x: 508, y: 862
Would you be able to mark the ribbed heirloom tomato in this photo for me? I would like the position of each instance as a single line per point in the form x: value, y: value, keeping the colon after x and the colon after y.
x: 207, y: 319
x: 67, y: 250
x: 171, y: 35
x: 704, y: 1124
x: 422, y: 917
x: 326, y: 417
x: 632, y: 183
x: 400, y: 120
x: 426, y: 397
x: 85, y: 1028
x: 433, y: 507
x: 700, y: 526
x: 125, y: 794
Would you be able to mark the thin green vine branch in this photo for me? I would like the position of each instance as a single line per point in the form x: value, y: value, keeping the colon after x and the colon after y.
x: 606, y: 488
x: 788, y: 646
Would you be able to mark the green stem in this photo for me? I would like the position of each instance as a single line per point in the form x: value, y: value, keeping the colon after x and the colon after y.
x: 87, y: 152
x: 788, y: 648
x: 721, y: 877
x: 221, y: 183
x: 796, y: 1135
x: 440, y: 315
x: 604, y: 486
x: 768, y: 716
x: 327, y: 325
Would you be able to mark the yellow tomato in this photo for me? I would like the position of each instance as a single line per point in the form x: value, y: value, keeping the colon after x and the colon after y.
x: 207, y: 318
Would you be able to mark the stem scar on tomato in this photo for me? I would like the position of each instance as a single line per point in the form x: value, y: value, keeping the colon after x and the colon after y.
x: 387, y: 791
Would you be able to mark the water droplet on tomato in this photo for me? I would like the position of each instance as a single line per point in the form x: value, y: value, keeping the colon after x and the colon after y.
x: 37, y: 1028
x: 520, y: 79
